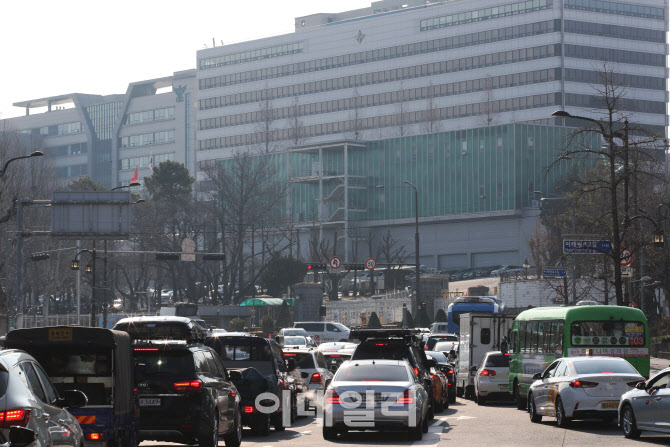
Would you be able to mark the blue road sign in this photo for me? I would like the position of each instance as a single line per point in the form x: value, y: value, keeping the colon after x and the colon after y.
x: 554, y: 273
x: 582, y: 247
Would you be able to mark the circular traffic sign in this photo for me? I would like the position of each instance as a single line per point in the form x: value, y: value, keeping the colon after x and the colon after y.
x: 335, y: 262
x: 560, y: 290
x: 370, y: 264
x: 626, y: 257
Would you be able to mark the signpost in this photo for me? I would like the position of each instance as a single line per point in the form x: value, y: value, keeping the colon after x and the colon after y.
x: 370, y: 264
x: 554, y: 273
x: 585, y: 247
x: 335, y: 263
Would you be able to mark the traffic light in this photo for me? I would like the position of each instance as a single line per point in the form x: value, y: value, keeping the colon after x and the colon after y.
x: 214, y: 257
x: 168, y: 256
x: 316, y: 267
x: 352, y: 267
x: 322, y: 311
x: 39, y: 256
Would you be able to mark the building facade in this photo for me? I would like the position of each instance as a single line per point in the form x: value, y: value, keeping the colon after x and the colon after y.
x: 455, y: 97
x: 107, y: 137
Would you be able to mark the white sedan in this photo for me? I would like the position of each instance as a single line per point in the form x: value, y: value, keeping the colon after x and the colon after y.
x: 581, y: 388
x: 647, y: 407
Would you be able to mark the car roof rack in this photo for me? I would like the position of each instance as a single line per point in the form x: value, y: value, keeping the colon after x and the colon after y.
x: 405, y: 334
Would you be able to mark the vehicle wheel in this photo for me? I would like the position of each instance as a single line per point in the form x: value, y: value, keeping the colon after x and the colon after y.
x: 424, y: 425
x: 329, y: 433
x: 234, y: 438
x: 561, y: 419
x: 534, y: 417
x: 445, y: 404
x: 261, y: 424
x: 520, y: 401
x: 438, y: 406
x: 452, y: 395
x: 481, y: 400
x: 208, y: 435
x: 294, y: 409
x: 430, y: 415
x: 277, y: 422
x: 469, y: 392
x: 416, y: 433
x: 459, y: 391
x: 628, y: 424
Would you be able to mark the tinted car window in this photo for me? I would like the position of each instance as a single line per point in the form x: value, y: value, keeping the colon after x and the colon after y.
x: 437, y: 356
x: 33, y: 381
x: 303, y: 360
x: 248, y: 348
x: 321, y: 361
x: 46, y: 383
x: 177, y: 363
x: 382, y: 350
x: 372, y: 373
x: 201, y: 365
x: 311, y: 327
x: 497, y: 361
x: 604, y: 366
x: 332, y: 328
x: 4, y: 377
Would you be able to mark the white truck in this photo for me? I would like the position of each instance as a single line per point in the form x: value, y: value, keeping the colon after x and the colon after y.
x: 480, y: 333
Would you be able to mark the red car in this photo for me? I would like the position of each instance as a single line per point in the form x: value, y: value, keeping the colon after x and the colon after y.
x: 440, y: 390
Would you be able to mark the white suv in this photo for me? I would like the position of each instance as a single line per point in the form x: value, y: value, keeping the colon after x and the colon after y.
x: 312, y: 365
x: 326, y: 331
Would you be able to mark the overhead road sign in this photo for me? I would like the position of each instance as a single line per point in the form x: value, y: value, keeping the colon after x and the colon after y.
x: 585, y: 247
x: 554, y: 273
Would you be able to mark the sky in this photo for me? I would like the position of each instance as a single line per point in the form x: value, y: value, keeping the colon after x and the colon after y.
x: 50, y: 48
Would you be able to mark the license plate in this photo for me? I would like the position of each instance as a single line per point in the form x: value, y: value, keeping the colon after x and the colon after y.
x: 609, y: 405
x: 150, y: 402
x: 503, y: 387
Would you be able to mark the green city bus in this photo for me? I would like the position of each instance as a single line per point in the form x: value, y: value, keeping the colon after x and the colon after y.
x: 538, y: 336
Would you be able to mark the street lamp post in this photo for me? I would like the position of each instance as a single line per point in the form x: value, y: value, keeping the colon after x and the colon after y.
x: 616, y: 242
x: 11, y: 160
x: 75, y: 266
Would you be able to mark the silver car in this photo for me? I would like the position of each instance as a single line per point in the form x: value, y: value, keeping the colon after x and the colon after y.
x: 376, y: 395
x: 30, y: 400
x: 647, y: 407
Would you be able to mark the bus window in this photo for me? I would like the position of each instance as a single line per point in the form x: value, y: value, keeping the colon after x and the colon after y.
x: 515, y: 342
x: 485, y: 336
x: 549, y: 336
x: 543, y: 335
x: 558, y: 328
x: 522, y: 336
x: 533, y: 336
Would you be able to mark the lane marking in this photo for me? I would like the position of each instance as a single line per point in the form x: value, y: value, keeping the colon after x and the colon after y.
x: 436, y: 423
x: 307, y: 432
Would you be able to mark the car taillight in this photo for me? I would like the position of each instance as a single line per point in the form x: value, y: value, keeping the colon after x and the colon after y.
x: 488, y: 372
x: 406, y: 398
x: 582, y: 384
x: 332, y: 397
x: 95, y: 436
x: 192, y: 385
x: 451, y: 371
x: 316, y: 378
x: 145, y: 349
x: 416, y: 371
x: 432, y: 376
x: 634, y: 383
x: 426, y: 348
x: 14, y: 417
x: 249, y: 410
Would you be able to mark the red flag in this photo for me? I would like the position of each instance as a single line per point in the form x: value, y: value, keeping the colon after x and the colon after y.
x: 135, y: 175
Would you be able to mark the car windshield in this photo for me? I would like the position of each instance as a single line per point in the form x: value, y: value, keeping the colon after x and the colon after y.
x: 295, y: 341
x: 246, y: 348
x: 437, y: 356
x: 176, y: 363
x: 497, y: 361
x: 604, y: 366
x: 353, y: 372
x: 58, y: 363
x: 444, y: 346
x: 303, y: 360
x: 292, y: 332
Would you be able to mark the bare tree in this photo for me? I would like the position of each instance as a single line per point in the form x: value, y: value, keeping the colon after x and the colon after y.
x: 431, y: 116
x: 265, y: 128
x: 402, y: 117
x: 490, y: 104
x: 321, y: 251
x: 295, y: 125
x: 391, y: 251
x: 355, y: 118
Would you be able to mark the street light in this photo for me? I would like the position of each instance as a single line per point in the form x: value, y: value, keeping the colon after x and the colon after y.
x: 130, y: 185
x: 90, y: 268
x: 33, y: 154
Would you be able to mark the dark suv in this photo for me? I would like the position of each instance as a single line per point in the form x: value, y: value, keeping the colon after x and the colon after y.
x: 185, y: 394
x: 396, y: 344
x: 265, y: 356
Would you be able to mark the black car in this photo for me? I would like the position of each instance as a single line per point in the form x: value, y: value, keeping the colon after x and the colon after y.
x: 185, y: 394
x: 444, y: 365
x: 264, y: 355
x: 396, y: 344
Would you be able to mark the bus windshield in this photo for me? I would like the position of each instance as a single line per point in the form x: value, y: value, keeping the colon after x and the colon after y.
x: 607, y: 333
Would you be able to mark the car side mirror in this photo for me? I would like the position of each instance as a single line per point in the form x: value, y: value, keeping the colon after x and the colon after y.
x: 473, y: 368
x: 431, y: 363
x: 21, y: 436
x: 333, y: 368
x: 537, y: 376
x: 290, y: 365
x: 641, y: 385
x: 74, y: 399
x: 235, y: 375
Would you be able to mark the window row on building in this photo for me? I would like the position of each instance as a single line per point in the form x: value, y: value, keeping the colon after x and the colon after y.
x: 621, y: 79
x: 162, y: 137
x: 149, y: 116
x: 379, y: 99
x: 398, y: 74
x: 61, y: 129
x: 614, y: 31
x: 484, y: 14
x: 68, y: 149
x: 251, y: 55
x: 72, y: 171
x: 631, y: 105
x: 384, y: 121
x: 618, y: 8
x: 429, y: 46
x: 126, y: 164
x: 612, y: 55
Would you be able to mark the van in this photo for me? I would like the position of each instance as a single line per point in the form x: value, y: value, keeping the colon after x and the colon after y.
x: 326, y: 331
